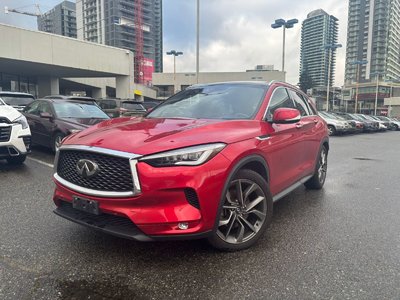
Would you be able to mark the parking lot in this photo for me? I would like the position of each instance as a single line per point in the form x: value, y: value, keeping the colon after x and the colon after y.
x: 341, y: 242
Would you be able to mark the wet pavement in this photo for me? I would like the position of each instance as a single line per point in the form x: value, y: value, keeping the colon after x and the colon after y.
x: 342, y: 242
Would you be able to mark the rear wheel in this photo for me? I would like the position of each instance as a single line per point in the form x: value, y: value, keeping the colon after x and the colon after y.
x: 245, y: 214
x: 317, y: 181
x: 16, y: 160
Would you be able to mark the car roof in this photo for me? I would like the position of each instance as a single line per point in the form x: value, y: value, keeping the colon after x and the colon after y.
x: 68, y: 97
x: 51, y: 100
x: 3, y: 93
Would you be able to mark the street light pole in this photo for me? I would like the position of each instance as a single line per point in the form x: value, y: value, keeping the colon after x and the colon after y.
x: 285, y: 24
x: 175, y: 54
x: 358, y: 63
x: 330, y: 48
x: 197, y: 41
x: 376, y: 90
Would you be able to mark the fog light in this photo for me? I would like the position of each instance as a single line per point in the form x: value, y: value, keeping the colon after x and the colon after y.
x: 183, y: 226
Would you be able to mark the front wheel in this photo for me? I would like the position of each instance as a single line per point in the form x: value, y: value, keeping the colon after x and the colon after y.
x: 331, y: 130
x: 57, y: 140
x: 245, y: 214
x: 317, y: 181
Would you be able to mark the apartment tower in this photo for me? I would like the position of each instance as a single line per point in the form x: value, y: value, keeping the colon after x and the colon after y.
x: 373, y: 36
x: 59, y: 20
x: 317, y: 31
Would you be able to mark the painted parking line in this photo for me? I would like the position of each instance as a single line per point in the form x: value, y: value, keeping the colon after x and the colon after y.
x: 41, y: 162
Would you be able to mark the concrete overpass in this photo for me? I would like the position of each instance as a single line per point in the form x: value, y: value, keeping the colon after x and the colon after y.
x: 49, y: 57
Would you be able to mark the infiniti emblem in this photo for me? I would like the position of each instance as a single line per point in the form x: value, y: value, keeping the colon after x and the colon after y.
x: 87, y: 168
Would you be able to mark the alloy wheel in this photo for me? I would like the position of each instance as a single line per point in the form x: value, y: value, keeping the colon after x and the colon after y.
x: 323, y: 165
x: 243, y: 212
x: 57, y: 142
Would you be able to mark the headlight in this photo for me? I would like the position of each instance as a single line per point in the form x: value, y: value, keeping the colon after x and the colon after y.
x: 21, y: 120
x: 190, y: 156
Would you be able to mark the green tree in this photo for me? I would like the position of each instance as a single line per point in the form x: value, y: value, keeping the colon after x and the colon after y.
x: 306, y: 81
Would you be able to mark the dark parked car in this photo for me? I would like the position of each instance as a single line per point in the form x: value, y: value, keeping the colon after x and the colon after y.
x: 17, y: 100
x: 357, y: 125
x: 150, y: 104
x: 369, y: 126
x: 121, y: 108
x: 51, y: 120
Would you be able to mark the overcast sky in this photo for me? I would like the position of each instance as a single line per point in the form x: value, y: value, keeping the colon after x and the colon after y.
x: 235, y: 35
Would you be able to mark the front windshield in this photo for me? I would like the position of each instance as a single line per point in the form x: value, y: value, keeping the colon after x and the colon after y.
x: 17, y: 100
x: 219, y: 101
x: 79, y: 110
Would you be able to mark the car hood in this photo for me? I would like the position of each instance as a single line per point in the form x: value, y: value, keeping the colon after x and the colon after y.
x: 144, y: 136
x: 80, y: 123
x: 9, y: 112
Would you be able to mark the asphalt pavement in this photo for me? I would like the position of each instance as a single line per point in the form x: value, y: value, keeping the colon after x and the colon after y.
x: 342, y: 242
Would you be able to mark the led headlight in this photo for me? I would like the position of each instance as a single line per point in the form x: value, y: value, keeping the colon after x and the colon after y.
x: 190, y: 156
x: 21, y: 120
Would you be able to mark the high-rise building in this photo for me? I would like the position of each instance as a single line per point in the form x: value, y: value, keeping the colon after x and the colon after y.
x: 59, y: 20
x: 373, y: 35
x: 318, y: 30
x: 97, y: 20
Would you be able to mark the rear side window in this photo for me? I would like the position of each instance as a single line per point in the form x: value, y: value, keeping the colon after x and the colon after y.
x: 301, y: 105
x: 280, y: 98
x: 107, y: 104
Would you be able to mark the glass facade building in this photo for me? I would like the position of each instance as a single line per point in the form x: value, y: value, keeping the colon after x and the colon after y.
x: 373, y: 34
x: 17, y: 83
x: 318, y: 30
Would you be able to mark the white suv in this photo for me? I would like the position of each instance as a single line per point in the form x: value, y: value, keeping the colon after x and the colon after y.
x: 15, y: 135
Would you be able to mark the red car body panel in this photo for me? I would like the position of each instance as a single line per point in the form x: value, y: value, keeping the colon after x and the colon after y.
x: 288, y: 150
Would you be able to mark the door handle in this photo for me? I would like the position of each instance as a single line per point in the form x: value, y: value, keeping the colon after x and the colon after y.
x: 298, y: 125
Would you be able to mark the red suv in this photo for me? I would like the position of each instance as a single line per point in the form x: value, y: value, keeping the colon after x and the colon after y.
x: 207, y: 163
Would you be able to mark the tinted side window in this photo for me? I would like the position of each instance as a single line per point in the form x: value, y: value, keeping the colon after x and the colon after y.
x: 33, y: 108
x: 300, y: 104
x: 107, y: 104
x: 280, y: 98
x: 45, y: 107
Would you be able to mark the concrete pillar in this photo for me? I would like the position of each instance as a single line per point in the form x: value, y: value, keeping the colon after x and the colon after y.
x: 124, y: 87
x: 99, y: 93
x: 48, y: 86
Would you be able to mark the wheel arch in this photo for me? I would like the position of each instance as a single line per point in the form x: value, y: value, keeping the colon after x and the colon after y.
x: 252, y: 162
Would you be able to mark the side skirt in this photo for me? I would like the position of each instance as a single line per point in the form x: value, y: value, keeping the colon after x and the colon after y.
x: 290, y: 188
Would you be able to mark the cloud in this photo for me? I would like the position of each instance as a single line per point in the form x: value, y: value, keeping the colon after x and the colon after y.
x: 236, y: 35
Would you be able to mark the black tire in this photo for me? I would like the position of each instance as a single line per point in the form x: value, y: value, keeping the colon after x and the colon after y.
x: 253, y: 217
x: 395, y: 127
x: 331, y: 130
x: 56, y: 139
x: 16, y: 160
x: 317, y: 181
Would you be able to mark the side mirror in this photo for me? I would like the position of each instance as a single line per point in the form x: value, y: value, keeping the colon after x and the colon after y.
x: 46, y: 115
x: 286, y: 116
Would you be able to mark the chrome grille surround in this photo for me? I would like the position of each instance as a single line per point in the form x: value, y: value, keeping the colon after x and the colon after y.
x: 87, y: 189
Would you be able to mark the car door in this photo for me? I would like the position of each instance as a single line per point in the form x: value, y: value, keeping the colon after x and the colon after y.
x: 46, y: 126
x: 31, y: 113
x: 308, y: 128
x: 283, y: 144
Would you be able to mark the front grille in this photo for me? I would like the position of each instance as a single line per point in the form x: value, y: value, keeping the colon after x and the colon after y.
x: 5, y: 133
x: 4, y: 151
x: 114, y: 172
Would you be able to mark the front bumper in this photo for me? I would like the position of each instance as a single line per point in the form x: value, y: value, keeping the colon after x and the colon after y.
x: 19, y: 142
x: 169, y: 197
